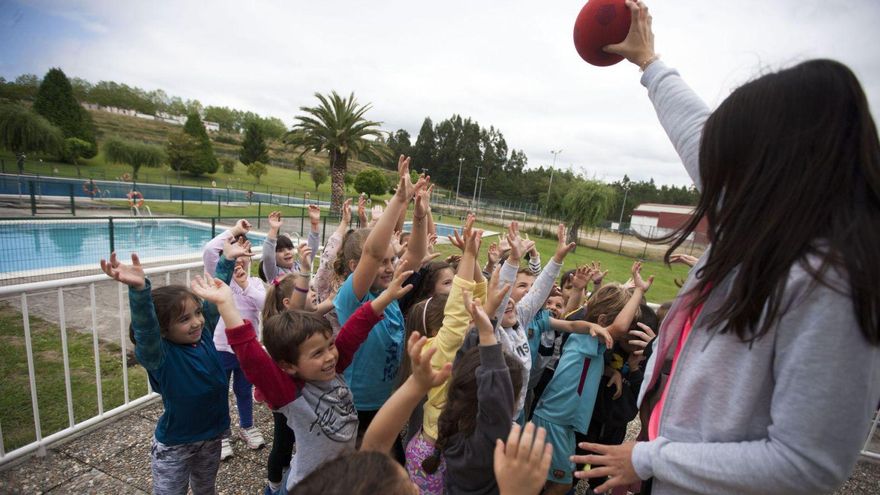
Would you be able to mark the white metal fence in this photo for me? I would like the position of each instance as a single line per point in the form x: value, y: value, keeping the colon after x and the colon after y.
x: 25, y: 294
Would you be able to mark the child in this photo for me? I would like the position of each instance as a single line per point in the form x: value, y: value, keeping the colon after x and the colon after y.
x: 429, y: 475
x: 272, y: 267
x: 302, y: 378
x: 173, y: 341
x: 325, y: 283
x: 482, y: 398
x: 372, y: 471
x: 369, y: 269
x: 567, y: 403
x: 518, y: 314
x: 285, y: 294
x: 249, y: 294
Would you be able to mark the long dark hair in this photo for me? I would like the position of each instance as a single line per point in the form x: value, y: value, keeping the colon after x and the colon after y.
x: 459, y: 414
x: 790, y: 168
x: 356, y: 473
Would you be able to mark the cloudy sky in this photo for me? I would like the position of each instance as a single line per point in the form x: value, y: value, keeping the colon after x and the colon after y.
x: 509, y: 64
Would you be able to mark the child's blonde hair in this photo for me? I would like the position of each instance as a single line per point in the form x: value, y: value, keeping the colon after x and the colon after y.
x: 609, y: 301
x: 275, y: 295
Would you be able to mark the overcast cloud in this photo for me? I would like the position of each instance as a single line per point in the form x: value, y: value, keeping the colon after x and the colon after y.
x: 508, y: 64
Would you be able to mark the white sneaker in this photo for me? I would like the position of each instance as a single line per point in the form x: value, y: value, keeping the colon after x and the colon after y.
x: 252, y: 437
x: 225, y: 449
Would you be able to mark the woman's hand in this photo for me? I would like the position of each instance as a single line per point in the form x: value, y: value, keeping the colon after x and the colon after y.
x: 638, y: 46
x: 685, y: 259
x: 614, y: 461
x: 130, y: 275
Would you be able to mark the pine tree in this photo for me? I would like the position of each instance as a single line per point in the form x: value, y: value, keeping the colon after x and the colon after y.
x: 206, y: 163
x: 56, y: 102
x: 253, y: 148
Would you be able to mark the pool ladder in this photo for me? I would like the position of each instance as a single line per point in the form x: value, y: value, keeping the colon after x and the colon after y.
x: 136, y: 212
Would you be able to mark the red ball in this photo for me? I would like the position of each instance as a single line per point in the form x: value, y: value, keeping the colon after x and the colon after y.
x: 600, y: 23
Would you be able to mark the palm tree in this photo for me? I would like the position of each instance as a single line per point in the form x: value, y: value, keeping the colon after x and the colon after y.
x: 337, y: 126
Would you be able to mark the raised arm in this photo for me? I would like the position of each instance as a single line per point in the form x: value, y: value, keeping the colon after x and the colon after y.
x: 301, y: 286
x: 213, y: 249
x: 357, y: 328
x: 269, y: 267
x: 314, y: 239
x: 391, y: 418
x: 507, y: 275
x: 681, y: 112
x: 533, y: 301
x: 323, y: 279
x: 620, y: 327
x: 376, y: 244
x: 417, y: 246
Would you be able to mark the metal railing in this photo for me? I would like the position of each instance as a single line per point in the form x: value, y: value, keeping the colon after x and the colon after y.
x: 25, y: 295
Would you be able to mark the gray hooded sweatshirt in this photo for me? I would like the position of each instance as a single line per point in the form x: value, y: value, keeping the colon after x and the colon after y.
x: 787, y: 415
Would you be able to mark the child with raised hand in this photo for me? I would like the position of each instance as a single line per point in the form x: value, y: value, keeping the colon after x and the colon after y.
x: 272, y: 267
x: 249, y: 295
x: 288, y: 293
x: 301, y: 376
x: 325, y: 283
x: 369, y: 269
x: 482, y: 397
x: 429, y: 475
x: 517, y: 315
x: 566, y: 405
x: 371, y: 471
x: 213, y: 250
x: 172, y: 330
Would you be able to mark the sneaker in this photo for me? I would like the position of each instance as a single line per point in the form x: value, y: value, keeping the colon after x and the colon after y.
x: 225, y: 449
x: 252, y: 437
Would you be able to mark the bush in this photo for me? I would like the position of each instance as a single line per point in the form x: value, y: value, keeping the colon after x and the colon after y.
x: 228, y: 165
x: 370, y: 182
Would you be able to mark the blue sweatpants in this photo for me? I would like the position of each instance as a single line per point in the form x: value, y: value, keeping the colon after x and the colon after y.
x: 241, y: 387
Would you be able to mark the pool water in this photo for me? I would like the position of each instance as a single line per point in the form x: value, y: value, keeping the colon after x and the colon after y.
x: 76, y: 245
x: 444, y: 230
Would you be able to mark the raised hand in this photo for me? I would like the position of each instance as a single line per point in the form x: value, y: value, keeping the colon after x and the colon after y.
x: 642, y: 338
x: 638, y: 46
x: 211, y: 289
x: 362, y: 210
x: 581, y: 277
x: 241, y: 227
x: 235, y: 250
x: 638, y: 282
x: 495, y: 291
x: 459, y: 240
x: 598, y: 275
x: 275, y: 221
x: 346, y: 212
x: 395, y: 288
x: 472, y: 242
x: 314, y: 216
x: 522, y: 464
x: 305, y: 257
x: 494, y: 254
x: 562, y: 247
x: 685, y: 259
x: 130, y: 275
x: 396, y: 245
x: 422, y: 372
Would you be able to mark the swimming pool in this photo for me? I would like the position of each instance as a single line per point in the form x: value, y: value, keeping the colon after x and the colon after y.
x: 29, y: 248
x: 444, y: 230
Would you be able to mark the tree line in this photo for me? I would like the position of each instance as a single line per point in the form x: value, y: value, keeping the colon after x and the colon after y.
x: 121, y: 95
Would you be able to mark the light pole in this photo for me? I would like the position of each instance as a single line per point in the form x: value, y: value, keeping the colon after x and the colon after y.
x: 480, y: 192
x: 552, y: 168
x: 458, y: 183
x: 623, y: 205
x: 476, y: 179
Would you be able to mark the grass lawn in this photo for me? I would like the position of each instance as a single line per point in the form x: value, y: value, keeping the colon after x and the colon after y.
x: 663, y: 289
x: 16, y: 414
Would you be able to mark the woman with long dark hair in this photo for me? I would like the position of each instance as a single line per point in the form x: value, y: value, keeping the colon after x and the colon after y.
x: 774, y: 340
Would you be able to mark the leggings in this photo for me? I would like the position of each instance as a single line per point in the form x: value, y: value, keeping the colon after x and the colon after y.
x: 282, y: 449
x: 241, y: 387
